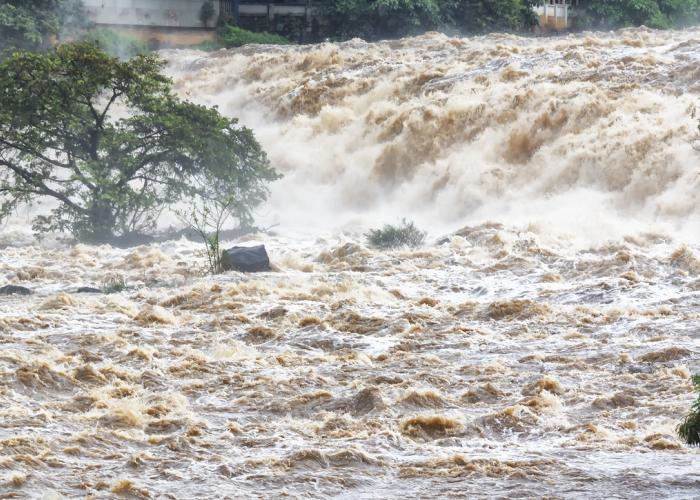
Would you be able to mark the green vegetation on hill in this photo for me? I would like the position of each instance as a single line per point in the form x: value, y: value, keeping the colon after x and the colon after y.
x: 662, y: 14
x: 377, y: 19
x: 373, y: 20
x: 29, y: 24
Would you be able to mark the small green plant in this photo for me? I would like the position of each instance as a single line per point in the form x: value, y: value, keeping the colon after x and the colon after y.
x: 233, y: 36
x: 689, y: 429
x: 207, y: 219
x: 207, y: 13
x: 405, y: 234
x: 113, y: 284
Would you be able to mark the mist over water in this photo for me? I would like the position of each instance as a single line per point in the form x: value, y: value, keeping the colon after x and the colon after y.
x: 544, y: 349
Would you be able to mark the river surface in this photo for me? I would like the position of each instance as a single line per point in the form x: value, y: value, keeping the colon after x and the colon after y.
x: 539, y: 345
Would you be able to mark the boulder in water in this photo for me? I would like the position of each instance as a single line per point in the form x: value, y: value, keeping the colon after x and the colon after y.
x: 246, y: 259
x: 14, y: 290
x: 88, y: 289
x: 129, y: 240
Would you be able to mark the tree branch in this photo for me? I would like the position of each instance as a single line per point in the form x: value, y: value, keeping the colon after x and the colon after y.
x: 30, y: 179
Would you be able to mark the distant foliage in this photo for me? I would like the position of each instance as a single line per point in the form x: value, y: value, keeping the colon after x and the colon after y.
x: 689, y: 429
x: 405, y: 234
x: 600, y: 14
x: 116, y: 44
x: 478, y: 16
x: 207, y: 12
x: 28, y: 24
x: 292, y: 28
x: 233, y: 36
x: 381, y: 19
x: 378, y: 19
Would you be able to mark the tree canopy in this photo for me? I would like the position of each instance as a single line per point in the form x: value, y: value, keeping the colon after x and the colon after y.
x: 600, y: 14
x: 28, y: 24
x: 113, y: 145
x: 376, y: 19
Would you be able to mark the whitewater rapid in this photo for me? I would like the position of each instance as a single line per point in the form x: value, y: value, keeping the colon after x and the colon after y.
x: 540, y: 344
x: 587, y: 136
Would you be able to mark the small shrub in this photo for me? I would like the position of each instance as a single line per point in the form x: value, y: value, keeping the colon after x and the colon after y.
x: 689, y: 429
x: 233, y: 36
x: 207, y: 219
x: 114, y: 284
x: 405, y: 234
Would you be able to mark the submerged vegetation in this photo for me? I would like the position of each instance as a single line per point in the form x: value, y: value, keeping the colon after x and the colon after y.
x: 689, y: 429
x: 113, y: 284
x: 404, y: 234
x: 62, y: 137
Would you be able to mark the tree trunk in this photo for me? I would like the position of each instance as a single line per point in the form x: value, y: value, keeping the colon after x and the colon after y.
x: 99, y: 223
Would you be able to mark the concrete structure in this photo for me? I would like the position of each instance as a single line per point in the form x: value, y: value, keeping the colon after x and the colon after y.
x: 556, y: 14
x: 177, y: 22
x: 160, y: 22
x: 236, y: 8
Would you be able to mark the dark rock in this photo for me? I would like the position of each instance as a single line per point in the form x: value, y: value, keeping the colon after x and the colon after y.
x: 364, y: 402
x: 274, y: 313
x: 246, y: 259
x: 88, y: 289
x: 129, y: 240
x: 14, y: 290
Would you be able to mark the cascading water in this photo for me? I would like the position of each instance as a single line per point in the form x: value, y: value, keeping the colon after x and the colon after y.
x: 543, y: 349
x: 591, y: 134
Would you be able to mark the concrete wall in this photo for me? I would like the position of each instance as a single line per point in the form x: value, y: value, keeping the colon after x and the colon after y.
x: 161, y: 13
x: 158, y: 37
x: 554, y: 16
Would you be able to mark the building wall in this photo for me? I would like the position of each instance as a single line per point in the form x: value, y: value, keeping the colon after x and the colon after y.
x: 162, y: 13
x: 555, y: 16
x: 158, y: 37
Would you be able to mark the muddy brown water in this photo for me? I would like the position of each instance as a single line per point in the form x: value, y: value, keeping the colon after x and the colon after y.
x: 544, y: 350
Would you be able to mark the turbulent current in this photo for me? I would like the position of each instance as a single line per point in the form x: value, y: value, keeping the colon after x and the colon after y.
x: 539, y: 345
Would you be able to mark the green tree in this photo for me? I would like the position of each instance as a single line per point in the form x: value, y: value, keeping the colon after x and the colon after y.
x: 114, y: 146
x: 600, y: 14
x: 478, y: 16
x: 380, y: 19
x: 28, y: 24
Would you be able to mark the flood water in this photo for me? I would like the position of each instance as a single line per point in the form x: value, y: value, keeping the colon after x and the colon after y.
x: 539, y: 345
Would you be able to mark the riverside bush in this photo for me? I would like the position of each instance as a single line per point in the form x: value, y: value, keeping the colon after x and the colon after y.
x: 405, y: 234
x: 689, y: 429
x: 233, y: 36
